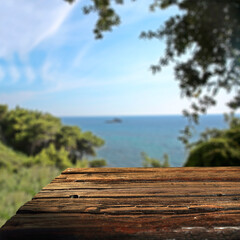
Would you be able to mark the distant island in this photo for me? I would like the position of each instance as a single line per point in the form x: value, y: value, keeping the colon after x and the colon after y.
x: 114, y: 120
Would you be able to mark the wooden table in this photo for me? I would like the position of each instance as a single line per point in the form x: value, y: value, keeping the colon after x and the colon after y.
x: 133, y: 203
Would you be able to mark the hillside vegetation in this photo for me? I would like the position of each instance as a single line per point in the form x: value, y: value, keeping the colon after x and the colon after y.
x: 20, y: 180
x: 34, y: 148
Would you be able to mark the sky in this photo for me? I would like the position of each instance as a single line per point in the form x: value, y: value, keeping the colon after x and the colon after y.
x: 50, y: 61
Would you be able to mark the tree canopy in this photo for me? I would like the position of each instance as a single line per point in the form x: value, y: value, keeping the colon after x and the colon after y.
x: 34, y: 132
x: 77, y: 143
x: 34, y: 147
x: 29, y: 131
x: 217, y: 147
x: 208, y: 34
x: 202, y: 41
x: 203, y: 44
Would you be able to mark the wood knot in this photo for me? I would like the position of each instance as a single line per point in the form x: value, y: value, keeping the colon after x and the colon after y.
x: 74, y: 196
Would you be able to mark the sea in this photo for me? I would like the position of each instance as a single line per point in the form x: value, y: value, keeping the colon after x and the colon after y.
x: 154, y: 135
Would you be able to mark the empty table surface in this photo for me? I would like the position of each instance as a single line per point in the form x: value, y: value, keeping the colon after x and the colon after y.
x: 133, y: 203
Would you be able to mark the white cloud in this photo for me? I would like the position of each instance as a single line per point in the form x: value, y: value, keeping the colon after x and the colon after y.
x: 47, y: 72
x: 29, y: 74
x: 24, y: 24
x: 81, y: 54
x: 14, y: 74
x: 57, y: 18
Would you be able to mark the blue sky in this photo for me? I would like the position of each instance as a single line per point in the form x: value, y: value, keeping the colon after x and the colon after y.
x: 50, y: 61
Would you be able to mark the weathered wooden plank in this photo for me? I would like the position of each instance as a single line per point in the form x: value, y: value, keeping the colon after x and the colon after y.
x: 146, y: 201
x: 146, y: 175
x: 120, y: 209
x: 75, y: 226
x: 150, y: 170
x: 134, y: 193
x: 133, y: 203
x: 176, y: 185
x: 58, y: 220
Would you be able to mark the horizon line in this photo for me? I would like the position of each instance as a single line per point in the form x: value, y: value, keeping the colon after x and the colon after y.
x: 138, y: 115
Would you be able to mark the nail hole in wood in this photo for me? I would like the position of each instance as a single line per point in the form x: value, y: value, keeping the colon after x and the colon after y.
x: 74, y: 196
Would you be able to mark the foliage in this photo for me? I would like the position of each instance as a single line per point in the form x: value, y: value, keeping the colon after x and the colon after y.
x: 88, y: 142
x: 207, y: 32
x: 29, y: 131
x: 18, y: 188
x: 49, y: 147
x: 152, y: 162
x: 77, y: 143
x: 52, y: 157
x: 21, y: 176
x: 11, y: 160
x: 217, y: 147
x: 67, y: 136
x: 83, y: 163
x: 3, y: 111
x: 20, y: 180
x: 32, y: 132
x: 107, y: 16
x: 98, y: 163
x: 215, y: 152
x: 202, y: 43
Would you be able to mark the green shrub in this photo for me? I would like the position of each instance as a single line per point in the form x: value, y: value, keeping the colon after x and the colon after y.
x: 215, y: 152
x: 152, y: 162
x: 11, y: 160
x: 217, y: 147
x: 98, y: 163
x: 84, y: 163
x: 52, y: 157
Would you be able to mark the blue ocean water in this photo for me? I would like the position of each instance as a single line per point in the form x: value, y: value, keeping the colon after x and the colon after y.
x: 154, y: 135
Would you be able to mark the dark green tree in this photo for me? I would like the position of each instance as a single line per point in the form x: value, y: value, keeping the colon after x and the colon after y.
x: 3, y: 112
x: 68, y: 137
x: 215, y: 152
x: 217, y: 147
x: 77, y: 143
x: 50, y: 156
x: 97, y: 163
x: 32, y: 131
x: 29, y: 131
x: 88, y: 142
x: 207, y: 33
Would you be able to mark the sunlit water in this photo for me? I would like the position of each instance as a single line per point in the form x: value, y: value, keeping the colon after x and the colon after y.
x: 154, y: 135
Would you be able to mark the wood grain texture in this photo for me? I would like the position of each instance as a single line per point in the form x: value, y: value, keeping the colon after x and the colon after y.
x: 133, y: 203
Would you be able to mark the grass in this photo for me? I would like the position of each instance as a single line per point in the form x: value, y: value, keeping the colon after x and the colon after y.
x: 19, y: 181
